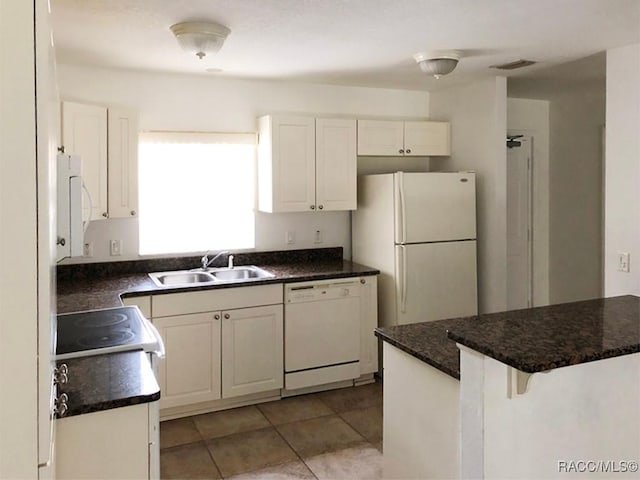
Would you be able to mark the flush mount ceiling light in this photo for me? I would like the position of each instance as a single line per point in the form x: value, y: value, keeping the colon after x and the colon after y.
x: 200, y: 38
x: 438, y: 63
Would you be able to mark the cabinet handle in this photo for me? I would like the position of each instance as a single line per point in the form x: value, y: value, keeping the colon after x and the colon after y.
x: 312, y: 207
x: 61, y: 241
x: 401, y: 151
x: 216, y: 316
x: 133, y: 213
x: 363, y: 281
x: 105, y: 214
x: 227, y: 316
x: 408, y: 150
x: 320, y: 207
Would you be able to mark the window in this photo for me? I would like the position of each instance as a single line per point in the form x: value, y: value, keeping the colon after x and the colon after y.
x: 196, y: 192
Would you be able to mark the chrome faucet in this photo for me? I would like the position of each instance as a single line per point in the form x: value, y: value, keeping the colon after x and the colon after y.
x: 205, y: 262
x: 230, y: 262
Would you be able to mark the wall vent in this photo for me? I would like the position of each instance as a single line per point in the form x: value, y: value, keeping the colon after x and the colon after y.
x: 514, y: 65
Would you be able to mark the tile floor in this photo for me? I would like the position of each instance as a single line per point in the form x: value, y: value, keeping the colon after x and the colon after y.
x: 328, y: 435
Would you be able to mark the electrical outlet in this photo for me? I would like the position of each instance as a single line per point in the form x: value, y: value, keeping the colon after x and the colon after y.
x: 317, y: 236
x: 87, y: 249
x: 623, y: 261
x: 116, y: 248
x: 290, y: 237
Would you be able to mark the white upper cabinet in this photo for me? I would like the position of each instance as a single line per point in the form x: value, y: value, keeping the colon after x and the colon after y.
x: 84, y: 133
x: 336, y: 164
x: 306, y: 164
x: 403, y: 138
x: 107, y: 141
x: 380, y: 137
x: 123, y: 162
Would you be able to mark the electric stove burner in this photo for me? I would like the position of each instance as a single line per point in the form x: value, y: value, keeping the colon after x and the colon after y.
x: 108, y: 330
x: 118, y: 337
x: 107, y: 319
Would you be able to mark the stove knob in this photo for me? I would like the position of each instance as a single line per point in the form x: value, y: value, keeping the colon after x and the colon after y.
x: 61, y: 406
x: 61, y: 374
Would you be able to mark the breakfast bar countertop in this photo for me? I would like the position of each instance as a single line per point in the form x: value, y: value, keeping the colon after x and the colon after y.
x: 530, y: 340
x: 92, y: 286
x: 543, y: 338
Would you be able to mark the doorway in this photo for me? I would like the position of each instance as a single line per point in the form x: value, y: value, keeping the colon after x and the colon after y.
x: 519, y: 221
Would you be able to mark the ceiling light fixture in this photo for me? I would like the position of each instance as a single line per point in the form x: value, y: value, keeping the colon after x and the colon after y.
x: 438, y: 63
x: 200, y: 38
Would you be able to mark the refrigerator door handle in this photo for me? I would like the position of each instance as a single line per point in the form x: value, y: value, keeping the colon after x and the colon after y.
x: 403, y: 280
x: 403, y: 219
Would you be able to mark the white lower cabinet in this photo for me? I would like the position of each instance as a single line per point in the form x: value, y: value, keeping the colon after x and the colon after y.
x: 252, y: 357
x: 368, y: 323
x: 220, y: 344
x: 190, y: 372
x: 108, y: 444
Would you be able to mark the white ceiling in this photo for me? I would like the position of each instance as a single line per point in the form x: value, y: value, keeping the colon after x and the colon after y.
x: 344, y: 42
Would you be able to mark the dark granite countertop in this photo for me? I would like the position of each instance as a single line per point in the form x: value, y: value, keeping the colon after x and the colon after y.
x: 543, y: 338
x: 427, y: 341
x: 102, y: 382
x: 91, y: 286
x: 531, y: 340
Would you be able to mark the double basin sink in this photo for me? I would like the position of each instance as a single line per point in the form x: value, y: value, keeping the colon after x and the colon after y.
x: 210, y: 276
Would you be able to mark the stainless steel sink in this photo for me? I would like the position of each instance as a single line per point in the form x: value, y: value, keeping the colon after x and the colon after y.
x: 239, y: 273
x: 170, y: 279
x: 187, y: 278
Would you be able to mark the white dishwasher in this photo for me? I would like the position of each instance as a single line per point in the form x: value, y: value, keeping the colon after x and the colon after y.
x: 321, y: 332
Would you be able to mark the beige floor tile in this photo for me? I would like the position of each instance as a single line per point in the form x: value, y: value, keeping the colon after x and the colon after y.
x: 293, y: 409
x: 319, y: 435
x: 228, y: 422
x: 249, y: 451
x: 362, y: 463
x: 187, y: 461
x: 366, y: 421
x: 288, y: 471
x: 345, y: 399
x: 178, y: 432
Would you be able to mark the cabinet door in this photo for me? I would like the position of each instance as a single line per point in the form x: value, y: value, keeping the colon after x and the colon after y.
x: 426, y: 138
x: 190, y: 372
x: 84, y: 133
x: 380, y: 138
x: 368, y: 323
x: 336, y: 164
x: 287, y: 165
x: 111, y: 443
x: 123, y: 163
x: 252, y: 350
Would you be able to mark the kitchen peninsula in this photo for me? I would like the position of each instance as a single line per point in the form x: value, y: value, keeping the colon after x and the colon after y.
x: 538, y: 389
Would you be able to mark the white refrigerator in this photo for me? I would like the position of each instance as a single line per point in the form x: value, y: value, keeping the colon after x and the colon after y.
x: 419, y: 230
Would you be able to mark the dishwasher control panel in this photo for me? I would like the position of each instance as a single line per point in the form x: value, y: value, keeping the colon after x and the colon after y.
x: 314, y: 292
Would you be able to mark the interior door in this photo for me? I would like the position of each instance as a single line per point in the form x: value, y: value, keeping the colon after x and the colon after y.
x: 519, y: 258
x: 436, y: 281
x: 433, y: 207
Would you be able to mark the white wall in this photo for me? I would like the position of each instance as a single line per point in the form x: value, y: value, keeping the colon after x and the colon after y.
x: 18, y: 244
x: 576, y: 95
x: 531, y: 118
x: 209, y: 103
x: 575, y: 183
x: 477, y: 113
x: 622, y: 169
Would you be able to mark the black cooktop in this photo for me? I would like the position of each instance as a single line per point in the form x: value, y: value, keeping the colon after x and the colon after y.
x: 102, y: 331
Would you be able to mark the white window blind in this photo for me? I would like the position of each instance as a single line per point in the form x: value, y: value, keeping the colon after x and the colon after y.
x: 196, y: 191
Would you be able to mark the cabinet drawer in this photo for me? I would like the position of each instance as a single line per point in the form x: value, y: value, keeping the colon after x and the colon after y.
x: 222, y: 299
